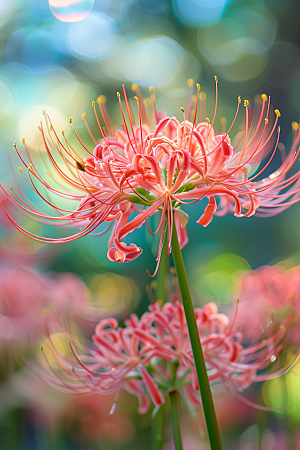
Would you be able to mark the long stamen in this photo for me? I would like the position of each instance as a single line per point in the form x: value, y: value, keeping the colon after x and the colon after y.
x: 101, y: 100
x: 83, y: 116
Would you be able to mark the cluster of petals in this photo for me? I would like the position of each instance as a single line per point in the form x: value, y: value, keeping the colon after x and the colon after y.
x: 266, y: 295
x: 135, y: 171
x: 152, y: 356
x: 26, y: 297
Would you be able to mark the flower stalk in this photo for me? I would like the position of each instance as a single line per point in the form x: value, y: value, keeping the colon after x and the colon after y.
x: 205, y: 391
x: 175, y: 420
x: 158, y: 429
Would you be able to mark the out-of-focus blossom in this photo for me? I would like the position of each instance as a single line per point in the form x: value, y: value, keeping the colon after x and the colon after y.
x: 26, y: 297
x: 152, y: 356
x: 161, y: 165
x: 265, y: 295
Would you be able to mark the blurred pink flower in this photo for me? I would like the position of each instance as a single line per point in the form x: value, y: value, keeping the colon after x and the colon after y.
x: 152, y: 356
x: 27, y: 296
x: 139, y: 170
x: 265, y: 295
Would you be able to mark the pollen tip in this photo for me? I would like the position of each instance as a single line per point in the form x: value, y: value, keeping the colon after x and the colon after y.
x: 11, y: 188
x: 207, y: 120
x: 71, y: 120
x: 93, y: 104
x: 277, y: 112
x: 151, y: 89
x: 134, y: 87
x: 246, y: 103
x: 223, y: 120
x: 173, y: 270
x: 190, y: 82
x: 266, y: 121
x: 44, y: 112
x: 83, y: 116
x: 182, y: 109
x: 39, y: 128
x: 15, y: 145
x: 295, y: 126
x: 136, y: 98
x: 203, y: 96
x: 216, y: 79
x: 51, y: 127
x: 118, y: 94
x: 116, y: 135
x: 63, y: 133
x: 282, y: 327
x: 239, y: 99
x: 21, y: 170
x: 198, y: 86
x: 101, y: 99
x: 23, y: 141
x: 264, y: 97
x: 31, y: 167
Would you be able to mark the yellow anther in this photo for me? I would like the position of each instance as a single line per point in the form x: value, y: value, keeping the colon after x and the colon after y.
x: 295, y: 126
x: 11, y: 188
x: 203, y: 96
x: 277, y: 112
x: 51, y: 127
x: 173, y: 270
x: 207, y: 120
x: 151, y: 89
x: 264, y: 341
x: 83, y: 116
x: 44, y: 112
x: 182, y: 109
x: 71, y: 120
x: 101, y: 99
x: 246, y: 103
x: 93, y: 104
x: 264, y: 97
x: 266, y: 121
x: 21, y: 170
x: 198, y: 86
x: 239, y: 99
x: 116, y: 135
x: 39, y: 128
x: 216, y: 78
x: 118, y: 94
x: 223, y: 120
x: 31, y: 167
x: 136, y: 98
x: 134, y: 87
x: 278, y: 129
x: 63, y: 133
x: 15, y: 145
x: 282, y: 327
x: 23, y: 141
x: 190, y: 82
x: 153, y: 284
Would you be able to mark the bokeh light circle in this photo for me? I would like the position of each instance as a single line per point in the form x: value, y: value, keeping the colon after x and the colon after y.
x: 199, y: 12
x: 71, y: 10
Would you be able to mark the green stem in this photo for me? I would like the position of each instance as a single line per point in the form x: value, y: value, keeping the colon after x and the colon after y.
x: 162, y: 291
x: 175, y: 420
x: 158, y: 429
x: 205, y: 391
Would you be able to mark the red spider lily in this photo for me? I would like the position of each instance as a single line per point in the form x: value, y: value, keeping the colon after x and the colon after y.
x: 152, y: 356
x: 266, y: 295
x: 138, y: 170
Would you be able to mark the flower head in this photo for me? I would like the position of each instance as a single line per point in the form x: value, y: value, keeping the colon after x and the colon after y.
x: 152, y: 356
x: 161, y: 165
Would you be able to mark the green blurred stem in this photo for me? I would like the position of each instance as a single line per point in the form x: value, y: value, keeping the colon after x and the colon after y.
x: 175, y: 420
x: 158, y: 429
x: 205, y: 391
x: 162, y: 292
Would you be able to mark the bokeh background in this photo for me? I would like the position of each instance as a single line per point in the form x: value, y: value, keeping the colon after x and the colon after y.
x: 59, y: 56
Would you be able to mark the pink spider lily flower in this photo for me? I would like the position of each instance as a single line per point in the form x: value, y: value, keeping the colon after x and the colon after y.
x: 266, y: 295
x: 26, y: 296
x: 152, y: 356
x: 135, y: 171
